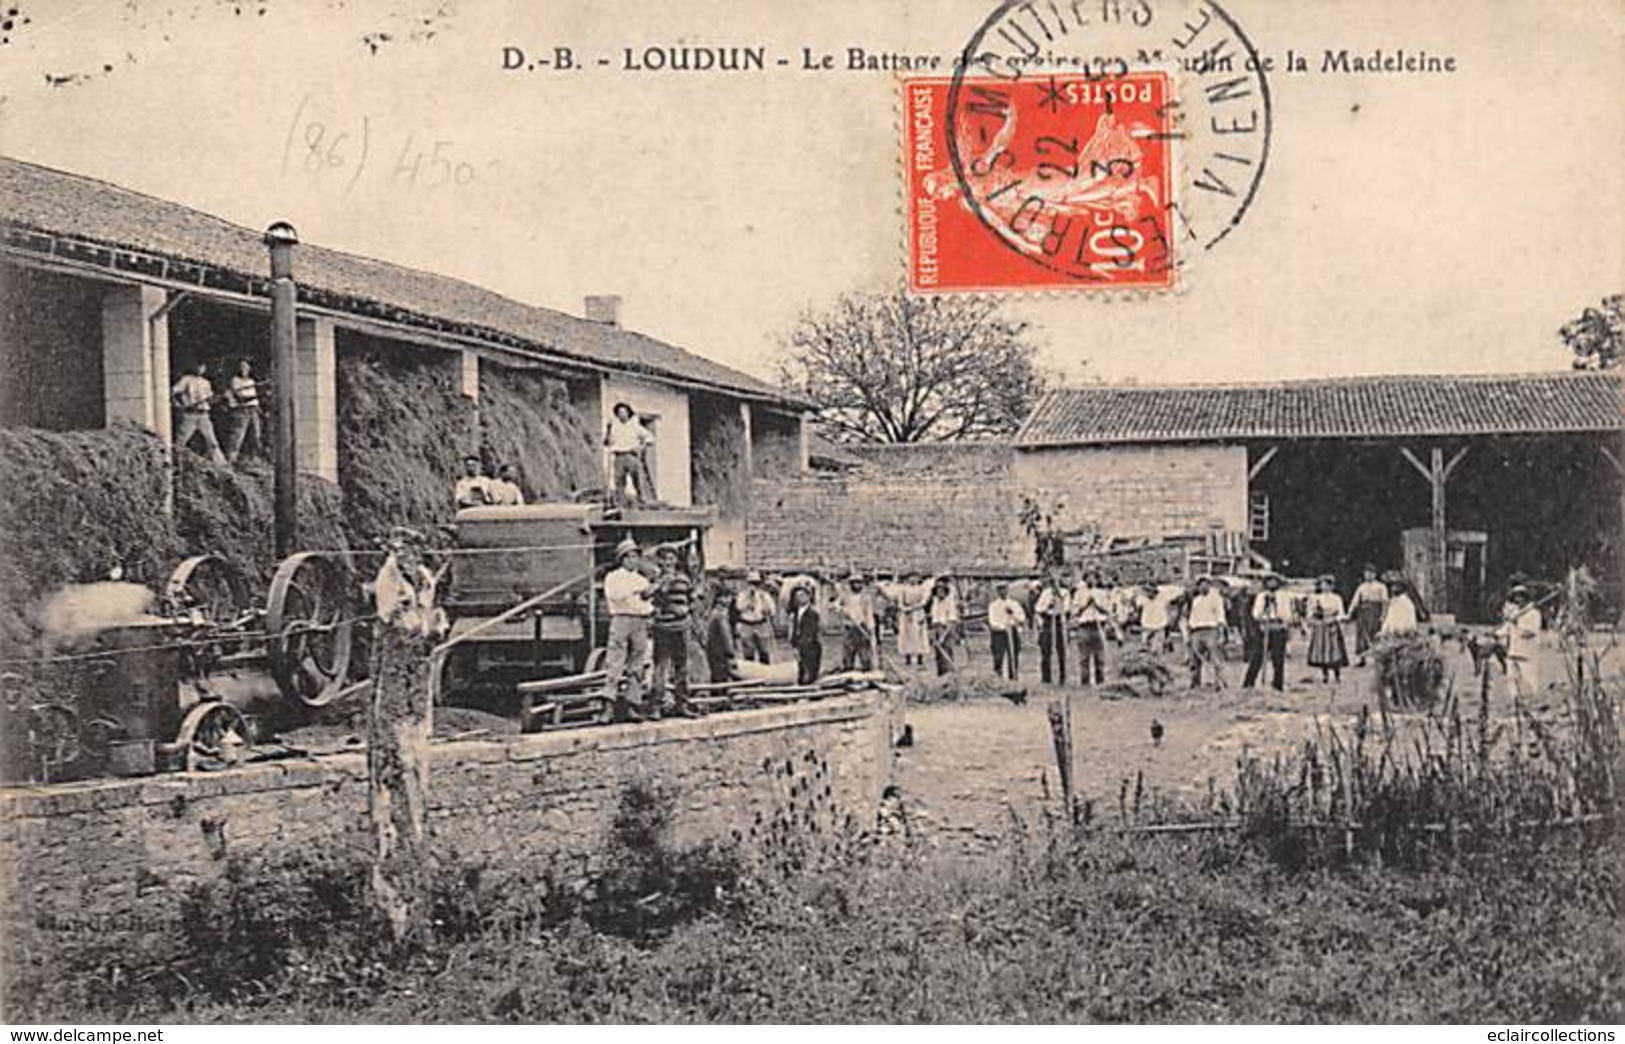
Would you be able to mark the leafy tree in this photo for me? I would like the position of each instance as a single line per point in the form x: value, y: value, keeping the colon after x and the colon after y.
x: 1594, y: 336
x: 891, y: 367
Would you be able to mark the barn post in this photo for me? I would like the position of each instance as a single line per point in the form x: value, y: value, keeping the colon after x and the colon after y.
x: 405, y: 672
x: 1438, y: 537
x: 281, y: 239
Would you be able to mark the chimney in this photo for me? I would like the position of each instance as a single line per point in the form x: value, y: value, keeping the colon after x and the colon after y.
x: 604, y: 308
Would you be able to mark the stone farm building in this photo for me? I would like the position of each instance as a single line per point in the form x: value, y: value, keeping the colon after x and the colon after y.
x: 108, y: 295
x: 1508, y: 474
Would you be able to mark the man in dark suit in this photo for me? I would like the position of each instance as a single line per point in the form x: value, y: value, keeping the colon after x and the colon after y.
x: 804, y: 636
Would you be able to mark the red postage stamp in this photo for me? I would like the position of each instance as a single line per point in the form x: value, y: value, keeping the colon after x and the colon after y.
x: 1058, y: 182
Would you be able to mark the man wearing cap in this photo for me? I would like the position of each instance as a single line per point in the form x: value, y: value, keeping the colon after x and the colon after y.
x: 628, y: 441
x: 753, y: 609
x: 672, y: 596
x: 626, y: 592
x: 856, y: 606
x: 1274, y: 616
x: 473, y: 489
x: 1206, y: 630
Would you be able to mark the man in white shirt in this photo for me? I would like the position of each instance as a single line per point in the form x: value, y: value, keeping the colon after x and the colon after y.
x: 1092, y: 613
x: 1206, y: 631
x: 1521, y: 628
x: 473, y: 489
x: 754, y: 608
x: 1051, y: 611
x: 194, y: 398
x: 1005, y: 618
x: 626, y: 595
x: 504, y: 489
x: 627, y: 441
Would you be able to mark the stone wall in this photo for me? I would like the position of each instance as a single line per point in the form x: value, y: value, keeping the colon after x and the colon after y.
x: 957, y: 507
x: 923, y: 508
x: 1142, y: 490
x: 120, y: 854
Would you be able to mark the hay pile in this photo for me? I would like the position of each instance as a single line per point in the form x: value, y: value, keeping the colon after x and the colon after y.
x: 719, y: 473
x: 403, y: 429
x: 527, y: 420
x: 80, y: 503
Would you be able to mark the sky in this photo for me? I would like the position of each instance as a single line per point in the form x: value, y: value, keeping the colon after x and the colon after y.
x: 1406, y: 223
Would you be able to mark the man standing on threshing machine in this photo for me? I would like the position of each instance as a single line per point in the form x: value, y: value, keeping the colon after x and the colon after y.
x: 626, y: 592
x: 504, y: 489
x: 473, y: 489
x: 856, y: 606
x: 754, y: 608
x: 628, y: 442
x: 673, y: 597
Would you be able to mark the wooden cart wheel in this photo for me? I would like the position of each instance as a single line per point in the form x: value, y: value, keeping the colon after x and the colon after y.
x: 595, y: 661
x: 309, y: 620
x: 213, y: 733
x: 209, y: 590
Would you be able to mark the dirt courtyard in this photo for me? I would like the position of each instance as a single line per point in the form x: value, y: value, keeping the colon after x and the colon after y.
x: 974, y: 762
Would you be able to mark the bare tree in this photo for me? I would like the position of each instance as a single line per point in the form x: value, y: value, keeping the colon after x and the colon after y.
x: 1594, y: 336
x: 896, y: 368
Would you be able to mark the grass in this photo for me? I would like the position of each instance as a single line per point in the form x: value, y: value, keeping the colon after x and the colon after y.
x: 1503, y: 919
x: 1096, y: 929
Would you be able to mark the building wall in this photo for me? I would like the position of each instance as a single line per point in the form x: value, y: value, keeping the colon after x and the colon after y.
x: 111, y: 854
x: 671, y: 431
x: 958, y: 507
x: 1141, y: 490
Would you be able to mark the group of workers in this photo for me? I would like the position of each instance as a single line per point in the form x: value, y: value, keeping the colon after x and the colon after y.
x: 196, y: 402
x: 1075, y: 621
x: 479, y: 487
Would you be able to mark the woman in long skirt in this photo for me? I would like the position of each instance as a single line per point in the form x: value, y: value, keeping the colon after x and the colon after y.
x: 1327, y: 649
x: 911, y: 598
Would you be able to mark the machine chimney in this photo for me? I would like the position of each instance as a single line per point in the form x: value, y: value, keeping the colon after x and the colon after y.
x: 604, y: 308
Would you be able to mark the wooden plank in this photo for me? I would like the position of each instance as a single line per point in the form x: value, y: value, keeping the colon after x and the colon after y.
x: 1262, y: 463
x: 564, y: 684
x: 1421, y: 469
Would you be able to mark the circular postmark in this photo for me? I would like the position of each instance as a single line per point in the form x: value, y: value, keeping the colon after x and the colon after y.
x: 1072, y: 127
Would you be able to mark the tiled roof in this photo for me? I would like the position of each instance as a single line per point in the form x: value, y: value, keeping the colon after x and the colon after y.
x: 1353, y: 407
x: 213, y: 252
